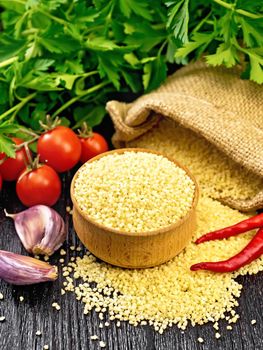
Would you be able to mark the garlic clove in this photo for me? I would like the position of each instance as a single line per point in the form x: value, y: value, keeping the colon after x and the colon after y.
x: 55, y: 233
x: 28, y: 227
x: 40, y: 228
x: 21, y: 270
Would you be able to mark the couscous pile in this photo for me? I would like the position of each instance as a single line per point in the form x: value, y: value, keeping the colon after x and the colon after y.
x: 217, y: 175
x: 171, y: 293
x: 134, y: 191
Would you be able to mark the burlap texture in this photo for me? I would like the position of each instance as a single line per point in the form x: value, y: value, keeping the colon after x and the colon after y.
x: 213, y: 102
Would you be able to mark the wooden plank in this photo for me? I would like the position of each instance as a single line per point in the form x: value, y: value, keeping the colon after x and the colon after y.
x: 70, y: 329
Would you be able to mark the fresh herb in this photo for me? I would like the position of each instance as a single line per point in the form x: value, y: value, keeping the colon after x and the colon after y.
x: 68, y: 58
x: 228, y: 32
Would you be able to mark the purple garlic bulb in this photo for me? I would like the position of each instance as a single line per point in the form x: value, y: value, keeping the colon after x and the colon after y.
x: 40, y: 228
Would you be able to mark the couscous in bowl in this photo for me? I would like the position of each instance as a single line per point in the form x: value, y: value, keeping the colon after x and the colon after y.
x: 128, y: 247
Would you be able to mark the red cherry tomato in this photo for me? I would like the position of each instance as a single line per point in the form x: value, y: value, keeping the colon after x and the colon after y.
x: 1, y: 182
x: 60, y: 148
x: 92, y: 146
x: 12, y: 167
x: 39, y: 186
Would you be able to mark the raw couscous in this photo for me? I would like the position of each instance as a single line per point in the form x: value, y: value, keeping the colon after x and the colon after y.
x: 134, y: 191
x: 217, y: 175
x: 172, y: 294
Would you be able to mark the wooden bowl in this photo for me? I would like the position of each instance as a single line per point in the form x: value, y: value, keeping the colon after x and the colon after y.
x: 134, y: 250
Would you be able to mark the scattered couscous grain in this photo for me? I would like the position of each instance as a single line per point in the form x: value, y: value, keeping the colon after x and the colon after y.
x: 21, y: 298
x: 216, y: 326
x: 234, y: 319
x: 45, y: 347
x: 2, y: 318
x: 134, y: 191
x: 63, y: 252
x: 200, y: 340
x: 62, y: 291
x: 229, y: 328
x: 46, y: 257
x: 94, y: 337
x: 253, y: 322
x: 1, y: 296
x: 102, y: 344
x: 56, y: 306
x: 38, y: 333
x: 107, y: 324
x: 72, y: 247
x: 68, y: 209
x: 101, y: 325
x: 217, y: 335
x: 61, y: 260
x: 183, y: 296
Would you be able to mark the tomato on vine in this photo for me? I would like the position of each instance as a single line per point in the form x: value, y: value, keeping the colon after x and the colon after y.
x: 11, y: 168
x: 92, y: 144
x: 59, y: 147
x: 38, y: 185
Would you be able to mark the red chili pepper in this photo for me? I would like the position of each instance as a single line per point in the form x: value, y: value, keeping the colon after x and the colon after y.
x: 243, y: 226
x: 252, y: 251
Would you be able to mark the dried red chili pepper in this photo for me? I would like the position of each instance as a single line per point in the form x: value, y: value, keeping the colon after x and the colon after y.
x: 252, y: 251
x: 241, y: 227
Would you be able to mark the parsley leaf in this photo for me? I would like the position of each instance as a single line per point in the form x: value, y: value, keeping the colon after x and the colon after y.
x: 178, y: 18
x: 225, y: 54
x: 58, y: 56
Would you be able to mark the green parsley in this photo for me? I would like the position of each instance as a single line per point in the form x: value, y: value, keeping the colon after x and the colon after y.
x: 68, y: 58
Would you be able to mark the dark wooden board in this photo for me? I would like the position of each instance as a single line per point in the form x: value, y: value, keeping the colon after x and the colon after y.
x: 70, y: 329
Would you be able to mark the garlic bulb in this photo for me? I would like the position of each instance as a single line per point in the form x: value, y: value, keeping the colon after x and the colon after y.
x: 21, y: 270
x: 40, y: 228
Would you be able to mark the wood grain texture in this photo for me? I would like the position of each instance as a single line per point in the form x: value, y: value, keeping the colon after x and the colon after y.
x: 69, y: 329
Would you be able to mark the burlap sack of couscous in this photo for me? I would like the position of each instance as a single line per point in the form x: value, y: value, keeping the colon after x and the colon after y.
x: 212, y: 109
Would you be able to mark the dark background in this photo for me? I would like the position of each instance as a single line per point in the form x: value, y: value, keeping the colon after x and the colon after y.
x: 70, y: 329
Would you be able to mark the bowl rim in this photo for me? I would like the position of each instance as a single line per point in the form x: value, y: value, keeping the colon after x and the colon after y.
x: 170, y: 227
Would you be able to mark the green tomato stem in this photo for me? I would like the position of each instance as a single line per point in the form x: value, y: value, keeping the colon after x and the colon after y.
x: 26, y: 143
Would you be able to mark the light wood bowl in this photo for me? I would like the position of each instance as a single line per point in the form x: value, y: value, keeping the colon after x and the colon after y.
x: 134, y: 250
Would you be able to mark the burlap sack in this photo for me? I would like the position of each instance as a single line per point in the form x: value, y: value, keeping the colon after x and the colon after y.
x: 213, y: 102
